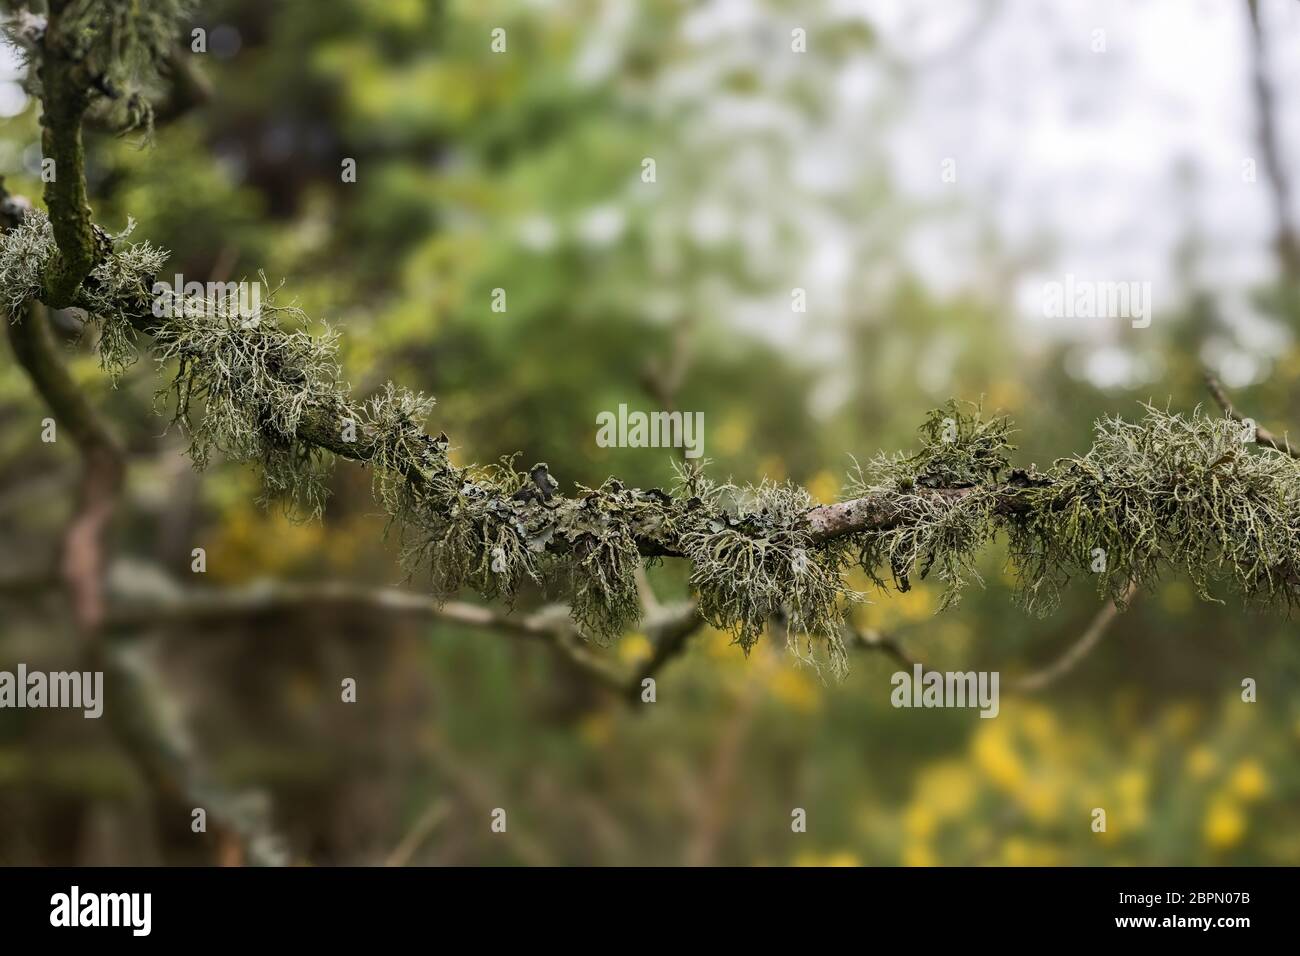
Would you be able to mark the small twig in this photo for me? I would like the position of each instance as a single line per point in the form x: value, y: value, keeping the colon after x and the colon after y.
x: 418, y: 834
x: 1262, y: 435
x: 649, y: 600
x: 668, y: 629
x: 871, y: 639
x: 1091, y: 637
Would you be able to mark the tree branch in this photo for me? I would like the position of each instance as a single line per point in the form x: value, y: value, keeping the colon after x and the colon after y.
x: 1088, y: 640
x: 172, y: 606
x: 1262, y: 435
x: 1285, y: 242
x: 65, y: 96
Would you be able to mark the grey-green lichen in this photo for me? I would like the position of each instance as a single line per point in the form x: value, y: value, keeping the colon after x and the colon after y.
x: 943, y: 495
x: 27, y: 252
x: 116, y: 47
x: 754, y: 562
x: 242, y: 385
x: 1191, y: 493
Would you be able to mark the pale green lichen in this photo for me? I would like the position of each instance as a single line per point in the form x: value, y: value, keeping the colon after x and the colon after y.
x: 125, y: 274
x: 25, y: 253
x: 119, y: 47
x: 1191, y: 493
x: 943, y: 496
x: 752, y: 563
x: 254, y: 381
x: 1169, y: 491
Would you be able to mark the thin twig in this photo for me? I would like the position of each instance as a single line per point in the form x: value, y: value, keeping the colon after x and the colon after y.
x: 1262, y: 435
x: 1087, y: 642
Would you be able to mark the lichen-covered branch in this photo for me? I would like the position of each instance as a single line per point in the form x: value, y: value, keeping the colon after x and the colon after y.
x: 1170, y: 491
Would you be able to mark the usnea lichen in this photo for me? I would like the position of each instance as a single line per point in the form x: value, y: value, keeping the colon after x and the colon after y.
x: 125, y: 274
x: 253, y: 380
x: 1190, y: 493
x: 753, y: 562
x: 943, y: 496
x: 119, y: 48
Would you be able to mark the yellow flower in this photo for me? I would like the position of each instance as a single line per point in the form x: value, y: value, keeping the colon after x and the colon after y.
x: 948, y: 788
x: 795, y: 689
x: 1132, y: 785
x: 918, y: 854
x: 838, y: 858
x: 1201, y: 762
x: 731, y: 435
x: 1248, y: 781
x: 824, y: 487
x: 1040, y: 725
x: 1041, y: 799
x: 919, y: 821
x: 996, y: 757
x: 1224, y: 824
x: 1018, y: 852
x: 635, y: 648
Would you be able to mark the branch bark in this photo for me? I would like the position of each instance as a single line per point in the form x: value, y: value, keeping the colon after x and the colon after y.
x: 1262, y: 435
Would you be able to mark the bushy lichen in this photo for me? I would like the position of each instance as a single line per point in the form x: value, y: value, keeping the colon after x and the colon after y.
x: 752, y: 562
x: 1169, y: 491
x: 254, y: 380
x: 1191, y: 493
x: 25, y: 252
x: 118, y: 46
x: 469, y: 540
x: 125, y: 274
x: 943, y: 497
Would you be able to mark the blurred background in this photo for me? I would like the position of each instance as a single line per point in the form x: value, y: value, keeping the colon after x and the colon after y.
x: 920, y: 170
